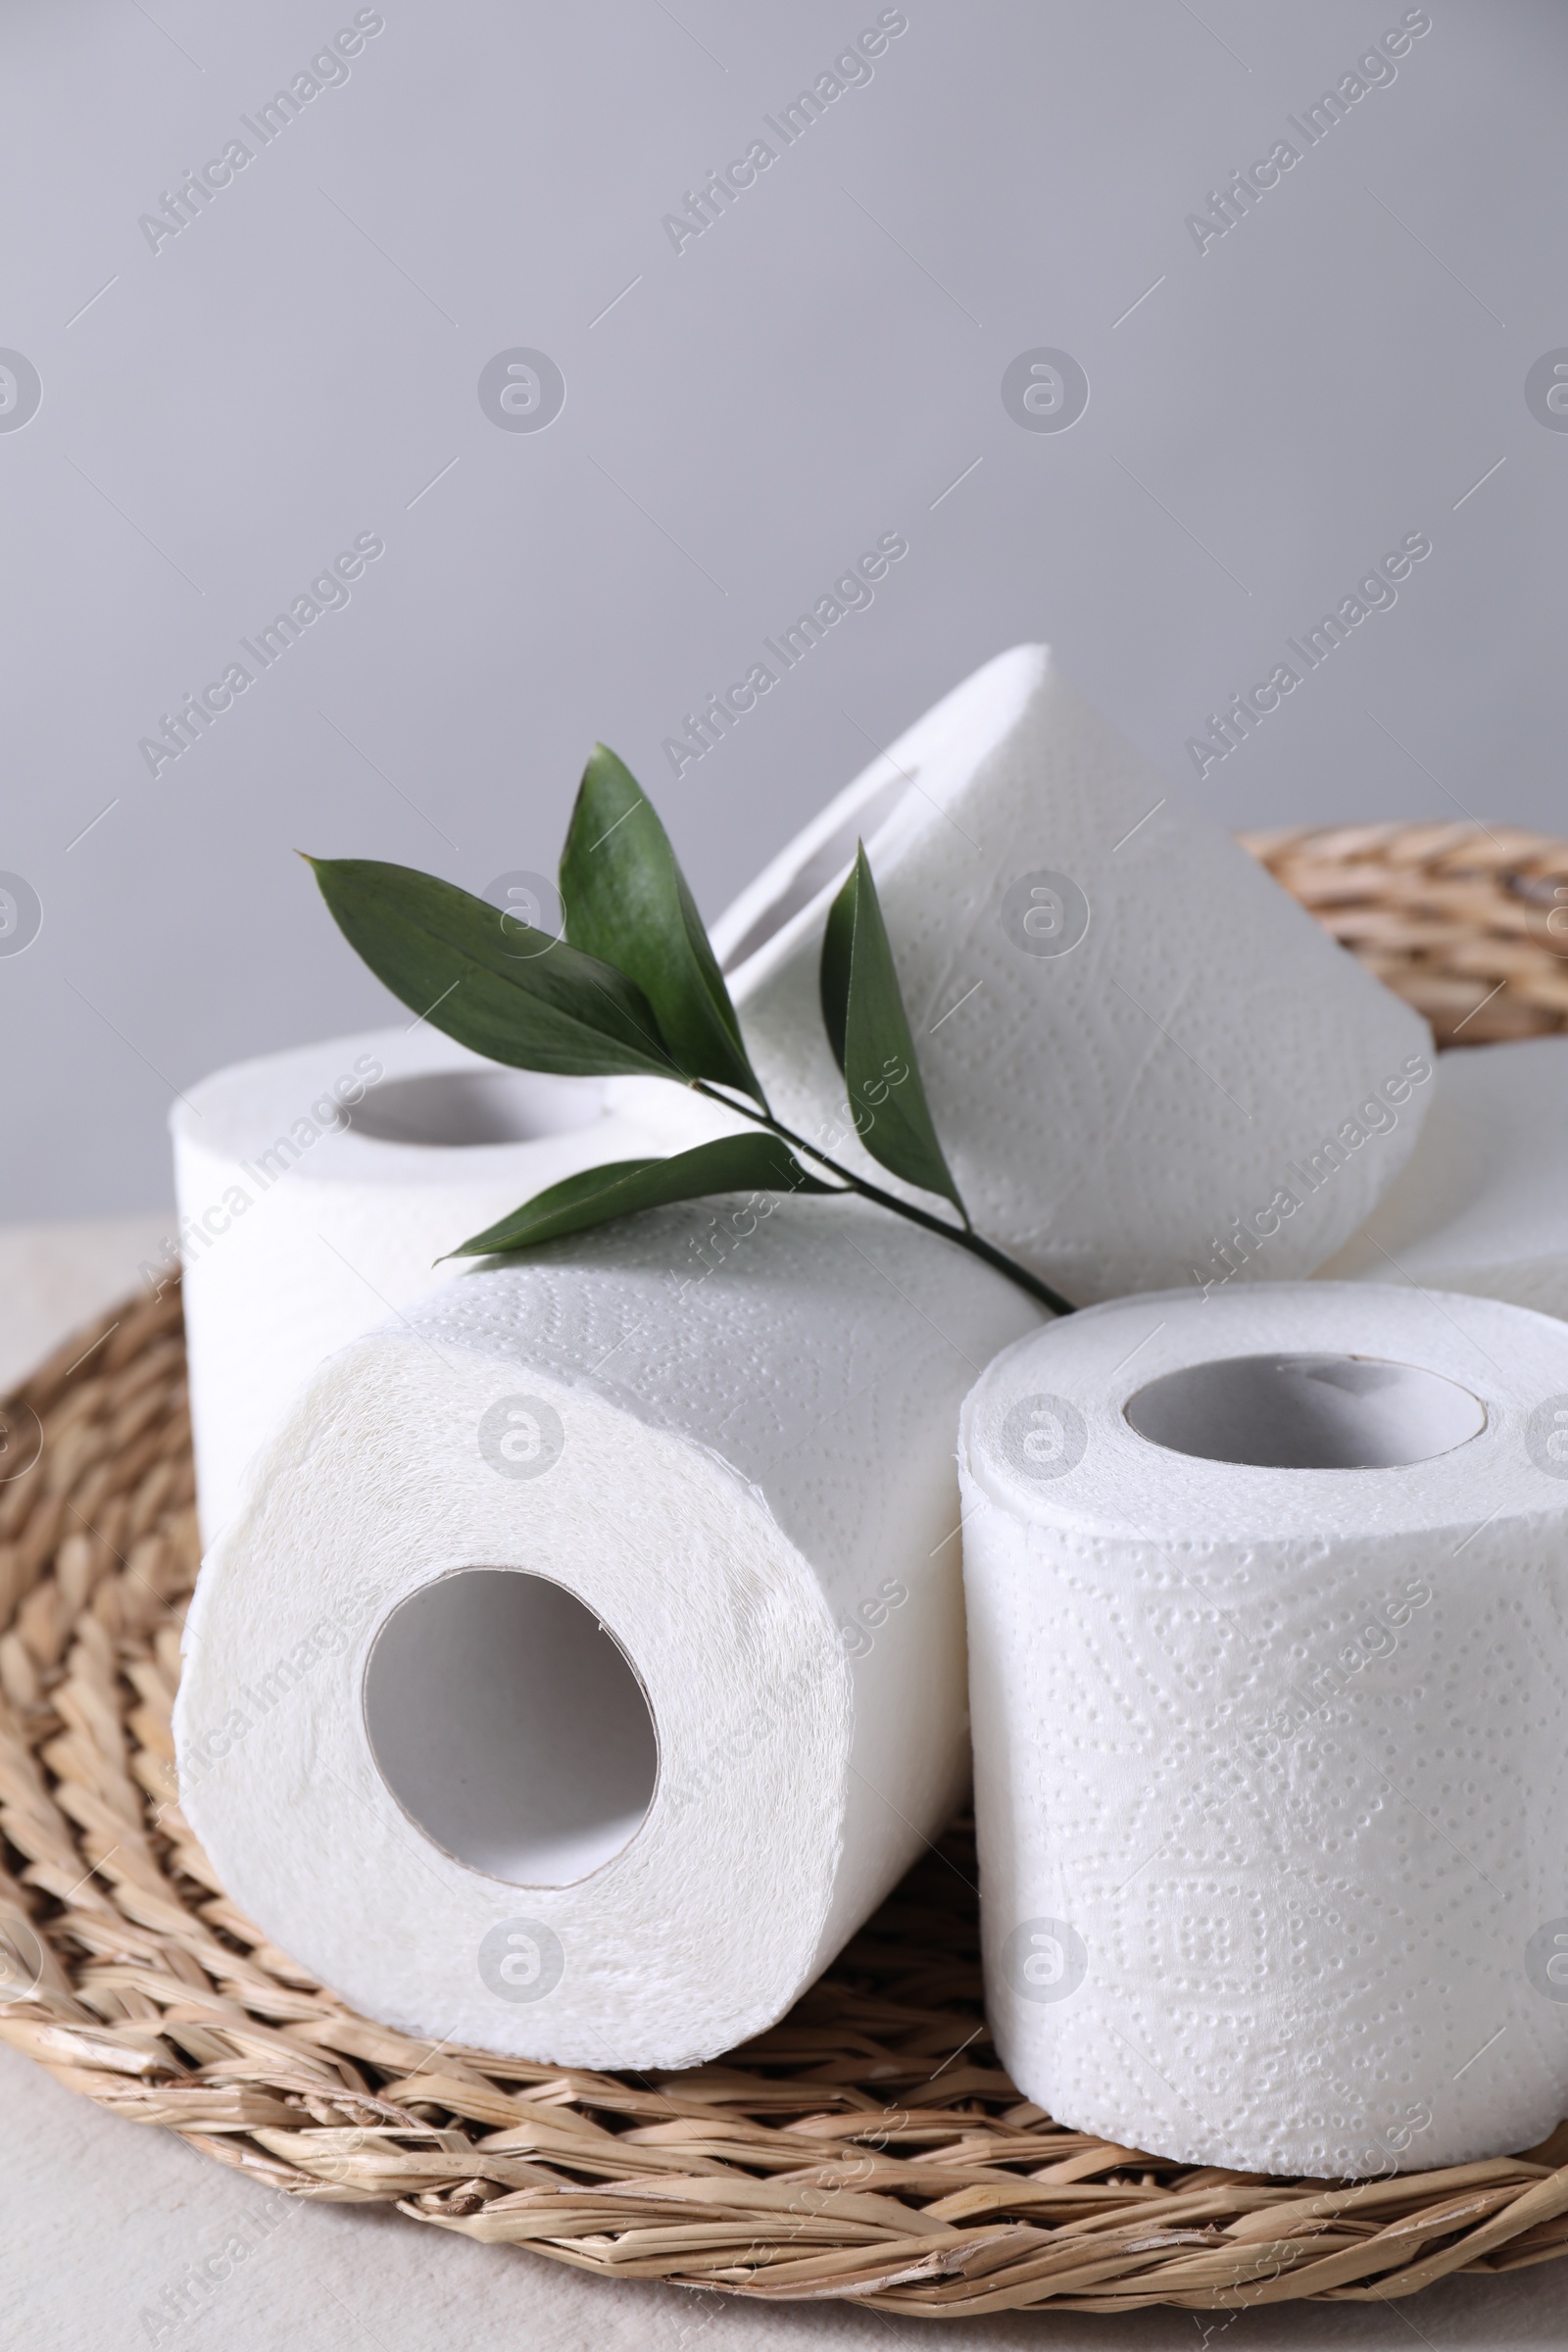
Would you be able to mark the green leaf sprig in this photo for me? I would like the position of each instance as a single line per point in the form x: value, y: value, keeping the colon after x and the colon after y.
x: 634, y: 990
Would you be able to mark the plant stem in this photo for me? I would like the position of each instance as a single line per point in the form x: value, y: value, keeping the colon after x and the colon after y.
x: 964, y: 1236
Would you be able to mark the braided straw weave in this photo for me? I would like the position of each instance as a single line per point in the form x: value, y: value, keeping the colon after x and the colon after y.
x: 867, y: 2147
x: 1471, y: 926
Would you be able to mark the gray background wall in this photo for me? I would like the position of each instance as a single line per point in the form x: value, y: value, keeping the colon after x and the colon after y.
x: 300, y: 364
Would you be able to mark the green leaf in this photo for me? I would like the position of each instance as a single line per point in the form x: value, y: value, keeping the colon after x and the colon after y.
x: 868, y: 1029
x: 735, y: 1163
x: 838, y: 943
x: 507, y: 990
x: 626, y: 900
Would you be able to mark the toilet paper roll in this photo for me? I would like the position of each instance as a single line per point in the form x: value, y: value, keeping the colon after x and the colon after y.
x: 1268, y: 1625
x: 585, y: 1658
x: 1482, y: 1203
x: 318, y: 1187
x: 1145, y: 1061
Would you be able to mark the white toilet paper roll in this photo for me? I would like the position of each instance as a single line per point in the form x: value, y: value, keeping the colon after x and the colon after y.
x: 318, y: 1187
x: 585, y: 1659
x: 1482, y: 1203
x: 1145, y: 1061
x: 1268, y: 1625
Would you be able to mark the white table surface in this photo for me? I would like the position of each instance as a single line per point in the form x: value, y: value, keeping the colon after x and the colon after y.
x: 99, y: 2216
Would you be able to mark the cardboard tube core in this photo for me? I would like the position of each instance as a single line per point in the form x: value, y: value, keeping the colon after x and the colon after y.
x: 1307, y: 1412
x: 509, y: 1726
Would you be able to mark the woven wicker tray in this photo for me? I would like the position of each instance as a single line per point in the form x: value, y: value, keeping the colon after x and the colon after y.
x: 867, y: 2147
